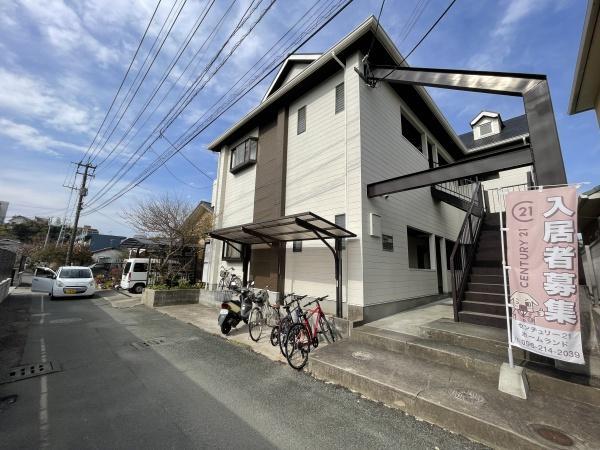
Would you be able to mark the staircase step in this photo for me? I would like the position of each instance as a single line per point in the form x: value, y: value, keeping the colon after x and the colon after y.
x: 488, y: 254
x: 467, y: 335
x: 489, y: 297
x: 486, y: 270
x: 492, y: 320
x: 493, y: 279
x: 488, y: 262
x: 487, y: 365
x: 490, y: 234
x: 457, y: 400
x: 489, y: 244
x: 483, y: 307
x: 486, y: 287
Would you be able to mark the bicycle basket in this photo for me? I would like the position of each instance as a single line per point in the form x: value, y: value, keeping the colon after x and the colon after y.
x: 223, y: 273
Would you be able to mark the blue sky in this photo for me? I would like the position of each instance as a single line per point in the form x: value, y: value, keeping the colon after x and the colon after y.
x: 63, y: 61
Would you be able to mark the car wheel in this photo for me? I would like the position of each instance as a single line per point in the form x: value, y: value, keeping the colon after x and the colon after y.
x: 138, y: 288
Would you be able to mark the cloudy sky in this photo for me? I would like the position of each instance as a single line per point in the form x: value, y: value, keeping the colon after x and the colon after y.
x: 63, y: 61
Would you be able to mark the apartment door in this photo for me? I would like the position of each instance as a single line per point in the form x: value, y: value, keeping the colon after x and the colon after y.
x: 266, y: 266
x: 438, y: 264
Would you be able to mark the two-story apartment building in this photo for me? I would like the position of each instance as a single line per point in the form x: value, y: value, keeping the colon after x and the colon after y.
x: 318, y: 138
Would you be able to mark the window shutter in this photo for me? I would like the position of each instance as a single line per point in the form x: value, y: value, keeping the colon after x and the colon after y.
x: 302, y: 120
x: 339, y: 98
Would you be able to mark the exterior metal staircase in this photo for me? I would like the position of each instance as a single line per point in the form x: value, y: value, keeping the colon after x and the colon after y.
x: 483, y: 302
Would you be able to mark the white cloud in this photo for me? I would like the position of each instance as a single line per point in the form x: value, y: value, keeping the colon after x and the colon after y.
x: 34, y: 99
x: 503, y: 34
x: 31, y: 138
x: 65, y: 31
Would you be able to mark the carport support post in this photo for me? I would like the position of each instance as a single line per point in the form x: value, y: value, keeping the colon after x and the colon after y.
x: 338, y: 277
x: 246, y: 249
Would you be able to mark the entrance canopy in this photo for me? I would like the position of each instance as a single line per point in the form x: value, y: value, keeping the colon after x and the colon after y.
x: 296, y: 227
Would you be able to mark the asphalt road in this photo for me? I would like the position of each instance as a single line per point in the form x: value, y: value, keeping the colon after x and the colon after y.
x: 188, y: 390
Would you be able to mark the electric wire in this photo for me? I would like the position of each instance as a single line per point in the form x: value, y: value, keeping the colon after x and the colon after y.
x: 139, y: 85
x: 212, y: 119
x: 166, y: 74
x: 191, y: 94
x: 416, y: 46
x: 123, y: 80
x: 206, y: 42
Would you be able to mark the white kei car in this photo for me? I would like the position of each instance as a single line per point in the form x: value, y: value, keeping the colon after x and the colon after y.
x: 68, y: 281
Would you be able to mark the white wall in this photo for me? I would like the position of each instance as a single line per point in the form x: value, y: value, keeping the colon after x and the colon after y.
x: 386, y: 154
x: 233, y: 200
x: 323, y: 176
x: 513, y: 179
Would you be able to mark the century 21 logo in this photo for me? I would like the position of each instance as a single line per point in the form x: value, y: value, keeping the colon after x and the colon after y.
x: 523, y: 211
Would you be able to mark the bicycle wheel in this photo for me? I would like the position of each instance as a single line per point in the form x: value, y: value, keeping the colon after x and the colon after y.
x: 284, y: 327
x: 297, y: 346
x: 255, y: 324
x: 326, y: 330
x: 221, y: 285
x: 275, y: 336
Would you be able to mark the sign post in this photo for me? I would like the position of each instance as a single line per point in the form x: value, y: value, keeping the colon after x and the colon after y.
x: 541, y: 233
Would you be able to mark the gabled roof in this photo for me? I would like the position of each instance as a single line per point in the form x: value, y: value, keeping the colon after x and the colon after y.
x: 514, y: 128
x: 324, y: 66
x: 286, y: 67
x: 482, y: 114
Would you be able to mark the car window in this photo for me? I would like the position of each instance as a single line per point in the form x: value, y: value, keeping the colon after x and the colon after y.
x: 140, y: 267
x: 126, y: 269
x: 75, y: 273
x: 43, y: 273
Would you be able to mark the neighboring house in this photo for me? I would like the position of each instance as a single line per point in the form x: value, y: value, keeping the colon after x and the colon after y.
x: 108, y: 255
x: 318, y: 142
x: 18, y: 220
x: 3, y: 210
x: 585, y: 94
x: 97, y: 241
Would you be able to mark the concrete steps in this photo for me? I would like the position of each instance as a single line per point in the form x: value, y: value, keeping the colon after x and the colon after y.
x: 454, y: 396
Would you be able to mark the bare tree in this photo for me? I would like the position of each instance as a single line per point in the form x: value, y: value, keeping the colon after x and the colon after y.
x: 173, y: 223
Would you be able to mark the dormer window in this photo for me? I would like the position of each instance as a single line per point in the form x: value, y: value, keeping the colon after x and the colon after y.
x: 486, y: 124
x: 243, y: 155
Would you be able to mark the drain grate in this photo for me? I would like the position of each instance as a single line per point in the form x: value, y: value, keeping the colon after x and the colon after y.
x: 29, y: 371
x: 152, y: 342
x: 553, y: 435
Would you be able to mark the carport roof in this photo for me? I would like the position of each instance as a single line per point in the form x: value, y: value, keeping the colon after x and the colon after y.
x: 295, y: 227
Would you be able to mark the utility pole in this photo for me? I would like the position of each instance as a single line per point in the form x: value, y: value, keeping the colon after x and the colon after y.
x: 82, y: 193
x: 48, y: 233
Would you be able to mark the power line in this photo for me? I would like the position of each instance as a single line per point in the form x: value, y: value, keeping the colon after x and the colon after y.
x: 187, y: 97
x: 124, y: 78
x: 166, y: 74
x: 208, y: 41
x: 196, y: 132
x: 422, y: 38
x: 164, y: 39
x: 176, y: 177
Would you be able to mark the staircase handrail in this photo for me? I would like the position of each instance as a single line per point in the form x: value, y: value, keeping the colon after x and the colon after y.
x: 473, y: 230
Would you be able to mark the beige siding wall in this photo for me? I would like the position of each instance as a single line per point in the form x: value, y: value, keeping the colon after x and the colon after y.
x: 323, y: 176
x: 385, y: 154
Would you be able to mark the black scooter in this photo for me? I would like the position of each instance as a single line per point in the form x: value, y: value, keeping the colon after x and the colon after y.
x: 234, y: 311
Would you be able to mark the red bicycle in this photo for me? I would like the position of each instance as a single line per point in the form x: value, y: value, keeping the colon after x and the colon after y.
x: 302, y: 337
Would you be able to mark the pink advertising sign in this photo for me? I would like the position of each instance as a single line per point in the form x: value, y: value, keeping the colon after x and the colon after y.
x: 542, y: 255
